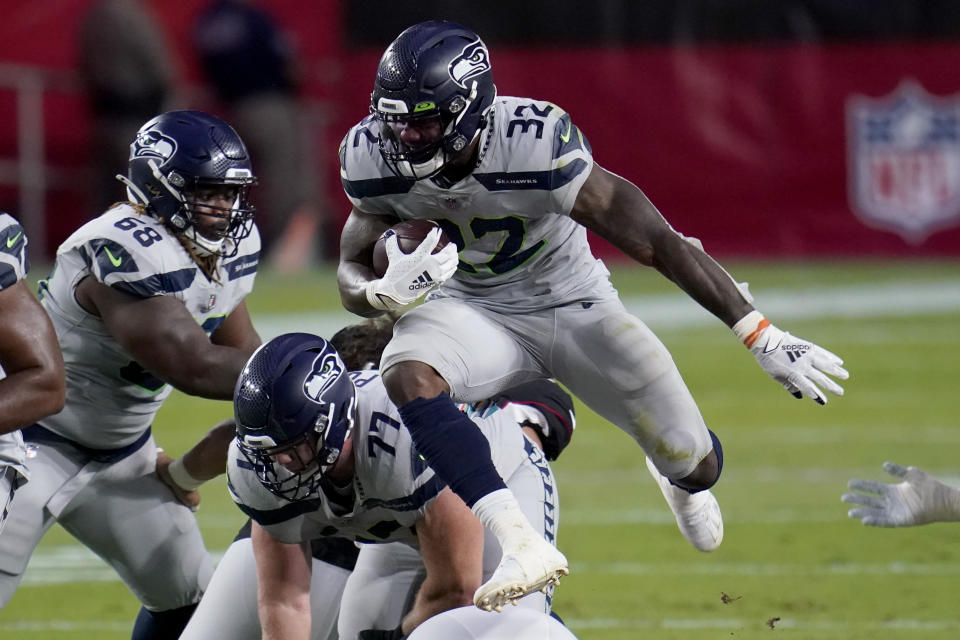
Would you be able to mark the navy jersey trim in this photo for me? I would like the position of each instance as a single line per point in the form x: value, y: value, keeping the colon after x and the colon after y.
x: 381, y: 531
x: 375, y: 187
x: 159, y: 284
x: 38, y: 433
x: 568, y: 137
x: 242, y: 266
x: 110, y: 256
x: 412, y: 502
x: 13, y: 240
x: 8, y: 276
x: 276, y: 516
x: 531, y: 180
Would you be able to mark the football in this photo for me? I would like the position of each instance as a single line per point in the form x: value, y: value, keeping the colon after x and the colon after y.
x: 410, y: 234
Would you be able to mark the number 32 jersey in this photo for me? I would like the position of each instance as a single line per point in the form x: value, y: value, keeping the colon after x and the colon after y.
x: 111, y: 399
x: 519, y: 249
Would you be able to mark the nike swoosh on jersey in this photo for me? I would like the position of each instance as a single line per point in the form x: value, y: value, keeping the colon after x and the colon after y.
x: 12, y: 241
x: 114, y: 261
x: 566, y: 137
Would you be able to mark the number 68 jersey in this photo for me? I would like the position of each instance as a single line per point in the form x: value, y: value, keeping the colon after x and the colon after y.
x: 519, y: 249
x: 111, y: 399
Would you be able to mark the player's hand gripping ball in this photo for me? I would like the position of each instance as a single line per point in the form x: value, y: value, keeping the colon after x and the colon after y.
x: 411, y: 259
x: 410, y: 234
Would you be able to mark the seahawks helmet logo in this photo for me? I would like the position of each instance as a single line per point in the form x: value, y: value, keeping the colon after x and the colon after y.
x: 153, y: 144
x: 472, y: 61
x: 327, y: 369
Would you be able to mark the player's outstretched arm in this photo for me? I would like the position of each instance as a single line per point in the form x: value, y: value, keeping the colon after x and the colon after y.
x: 237, y: 331
x: 918, y: 499
x: 451, y: 543
x: 164, y: 338
x: 30, y: 356
x: 283, y: 586
x: 619, y: 212
x: 208, y: 458
x: 204, y: 461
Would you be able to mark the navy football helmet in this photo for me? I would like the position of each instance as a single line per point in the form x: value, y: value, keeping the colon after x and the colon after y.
x: 435, y: 77
x: 180, y: 152
x: 293, y: 389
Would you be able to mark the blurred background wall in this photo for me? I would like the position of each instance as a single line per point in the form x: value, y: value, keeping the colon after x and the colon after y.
x: 797, y: 128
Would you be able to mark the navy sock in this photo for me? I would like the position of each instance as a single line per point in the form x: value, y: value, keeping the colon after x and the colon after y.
x: 453, y: 446
x: 161, y: 625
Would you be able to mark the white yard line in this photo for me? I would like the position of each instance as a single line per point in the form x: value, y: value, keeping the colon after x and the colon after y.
x: 582, y: 624
x: 65, y: 564
x: 677, y: 311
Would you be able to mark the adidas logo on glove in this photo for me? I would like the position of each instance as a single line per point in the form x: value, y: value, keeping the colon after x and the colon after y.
x: 422, y: 282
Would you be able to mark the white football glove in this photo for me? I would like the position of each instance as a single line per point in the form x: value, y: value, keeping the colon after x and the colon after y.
x: 797, y: 364
x: 920, y: 499
x: 411, y: 275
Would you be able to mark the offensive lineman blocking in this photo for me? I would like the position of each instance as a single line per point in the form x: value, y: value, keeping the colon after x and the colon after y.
x: 321, y: 452
x: 513, y: 183
x: 148, y: 296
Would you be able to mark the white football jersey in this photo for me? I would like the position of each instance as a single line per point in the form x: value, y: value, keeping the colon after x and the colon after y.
x: 13, y: 268
x: 392, y: 484
x: 111, y: 399
x: 512, y: 211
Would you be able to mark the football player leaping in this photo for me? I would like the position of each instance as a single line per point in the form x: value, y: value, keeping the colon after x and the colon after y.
x: 513, y: 183
x: 322, y: 452
x: 31, y: 366
x: 146, y: 297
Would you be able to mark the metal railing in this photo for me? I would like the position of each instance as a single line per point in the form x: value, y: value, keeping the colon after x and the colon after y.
x: 32, y: 174
x: 28, y: 171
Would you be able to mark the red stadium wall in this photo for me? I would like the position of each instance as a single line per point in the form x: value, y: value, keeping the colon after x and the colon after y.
x: 743, y: 146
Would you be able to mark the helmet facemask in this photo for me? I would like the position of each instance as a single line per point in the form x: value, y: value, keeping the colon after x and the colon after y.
x: 444, y: 143
x: 294, y: 406
x: 238, y: 216
x: 301, y: 479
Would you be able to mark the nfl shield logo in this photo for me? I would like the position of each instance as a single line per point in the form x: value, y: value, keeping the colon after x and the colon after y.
x: 904, y: 159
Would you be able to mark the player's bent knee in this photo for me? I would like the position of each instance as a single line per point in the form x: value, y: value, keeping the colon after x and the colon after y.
x: 407, y: 381
x: 707, y: 472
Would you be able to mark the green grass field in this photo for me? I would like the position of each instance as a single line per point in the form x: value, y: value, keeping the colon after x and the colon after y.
x: 792, y: 563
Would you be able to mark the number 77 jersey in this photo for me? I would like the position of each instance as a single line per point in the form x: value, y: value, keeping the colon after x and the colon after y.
x: 111, y: 399
x: 519, y: 249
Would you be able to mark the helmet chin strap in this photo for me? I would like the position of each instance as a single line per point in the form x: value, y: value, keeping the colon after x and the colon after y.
x: 203, y: 246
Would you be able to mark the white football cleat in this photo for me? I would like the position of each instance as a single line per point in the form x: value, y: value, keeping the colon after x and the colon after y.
x: 698, y: 514
x: 533, y: 565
